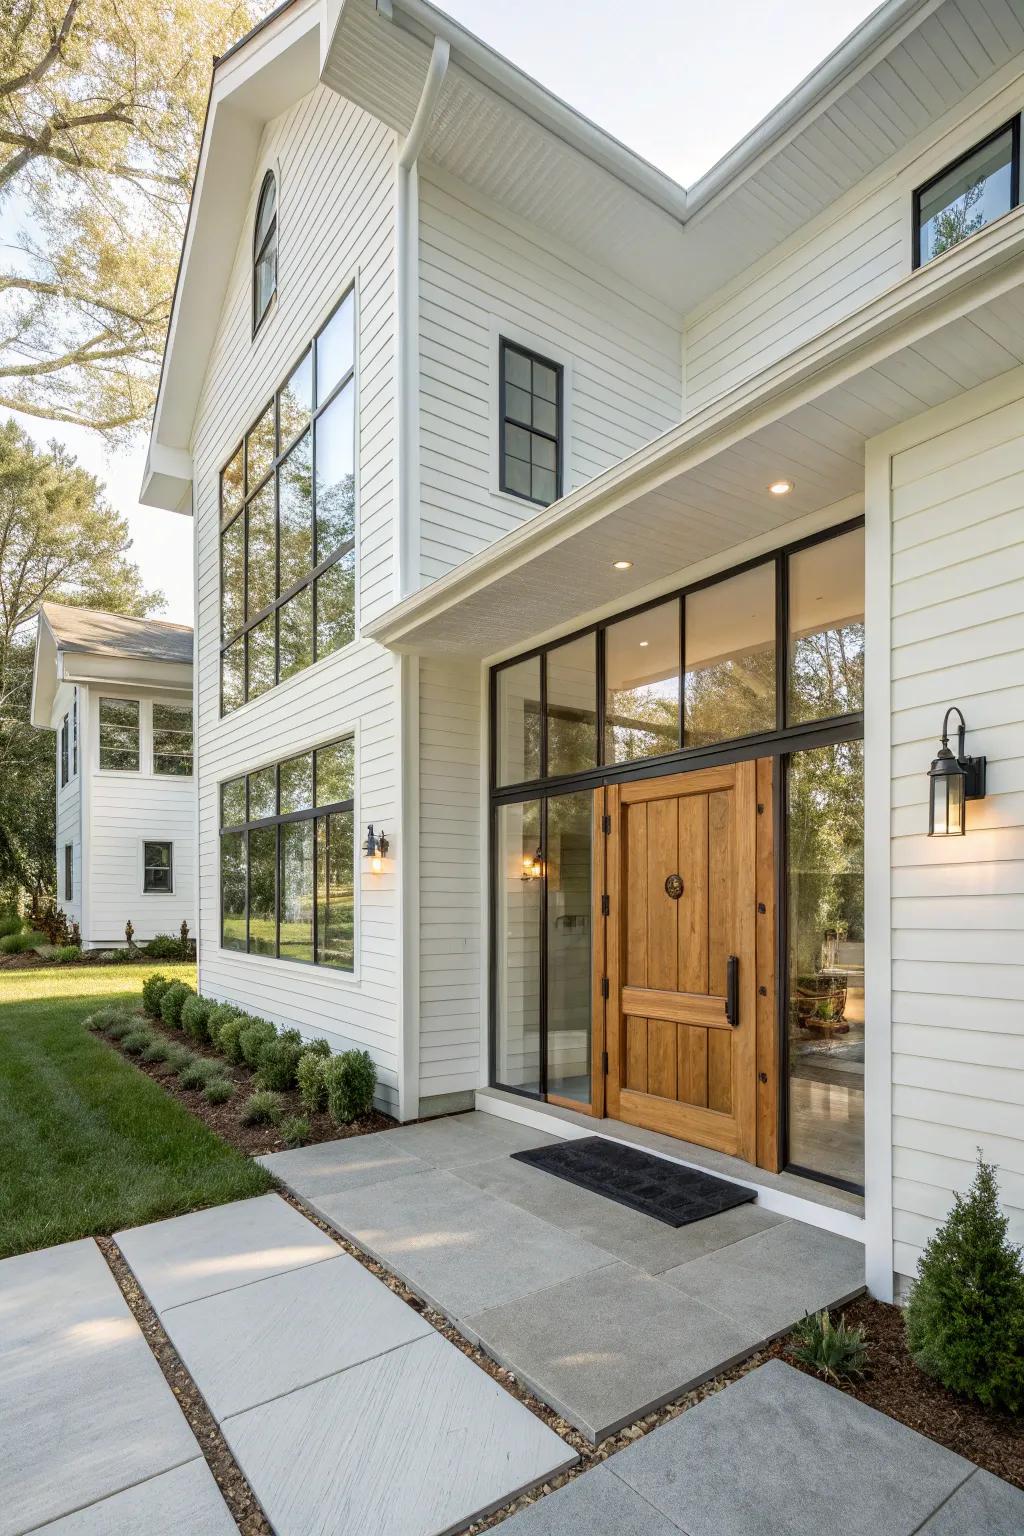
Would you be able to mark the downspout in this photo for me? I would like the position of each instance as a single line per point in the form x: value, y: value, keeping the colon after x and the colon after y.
x: 407, y: 566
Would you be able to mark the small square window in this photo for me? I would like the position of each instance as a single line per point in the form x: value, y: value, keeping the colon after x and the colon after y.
x: 969, y: 194
x: 531, y: 426
x: 158, y: 869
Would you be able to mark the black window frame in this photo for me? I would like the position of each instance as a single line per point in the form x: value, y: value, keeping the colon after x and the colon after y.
x: 505, y: 346
x: 69, y: 871
x: 240, y: 634
x: 1013, y: 127
x: 147, y: 866
x: 65, y: 752
x: 313, y: 814
x: 163, y: 773
x: 258, y: 252
x: 74, y: 735
x: 112, y: 699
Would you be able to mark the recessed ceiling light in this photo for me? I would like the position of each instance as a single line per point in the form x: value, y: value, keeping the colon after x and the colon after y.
x: 780, y: 487
x: 644, y: 644
x: 622, y: 565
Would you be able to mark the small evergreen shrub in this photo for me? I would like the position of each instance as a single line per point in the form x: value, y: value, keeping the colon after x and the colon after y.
x: 67, y: 954
x: 351, y: 1079
x: 136, y: 1040
x: 153, y: 989
x: 178, y: 1057
x: 319, y: 1047
x: 263, y: 1108
x: 164, y: 946
x: 229, y: 1036
x: 256, y: 1036
x: 120, y: 956
x: 965, y: 1315
x: 112, y: 1021
x: 198, y: 1072
x: 194, y: 1015
x: 309, y: 1074
x: 278, y: 1063
x: 834, y: 1350
x: 295, y: 1130
x: 218, y: 1090
x: 218, y: 1015
x: 173, y: 1001
x: 159, y: 1050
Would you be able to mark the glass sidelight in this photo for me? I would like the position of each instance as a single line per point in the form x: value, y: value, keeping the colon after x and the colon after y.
x: 543, y: 869
x: 825, y: 991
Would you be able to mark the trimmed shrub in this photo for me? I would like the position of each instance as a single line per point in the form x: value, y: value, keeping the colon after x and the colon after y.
x: 120, y: 956
x: 256, y: 1036
x: 164, y: 946
x: 229, y: 1036
x: 110, y: 1020
x: 218, y: 1015
x: 319, y: 1047
x: 278, y: 1063
x: 67, y: 954
x: 965, y: 1314
x: 194, y: 1015
x: 136, y: 1040
x: 309, y: 1074
x: 198, y: 1072
x: 173, y: 1001
x: 351, y: 1079
x: 158, y: 1051
x: 295, y: 1130
x: 218, y: 1090
x: 834, y: 1350
x: 263, y: 1108
x: 153, y: 989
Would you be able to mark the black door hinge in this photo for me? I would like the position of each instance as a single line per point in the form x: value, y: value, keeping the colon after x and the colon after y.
x: 605, y: 989
x: 604, y: 1062
x: 606, y: 824
x: 606, y: 906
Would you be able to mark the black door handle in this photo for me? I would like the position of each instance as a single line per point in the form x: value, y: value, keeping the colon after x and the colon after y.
x: 732, y: 990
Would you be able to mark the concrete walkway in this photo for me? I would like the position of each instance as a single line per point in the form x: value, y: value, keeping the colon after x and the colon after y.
x: 604, y: 1313
x: 779, y: 1453
x: 92, y: 1440
x: 345, y: 1410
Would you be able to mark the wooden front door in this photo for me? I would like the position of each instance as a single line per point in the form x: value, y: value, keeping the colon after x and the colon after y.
x: 681, y: 1010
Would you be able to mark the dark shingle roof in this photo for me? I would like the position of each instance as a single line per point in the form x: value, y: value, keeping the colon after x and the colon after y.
x: 114, y: 634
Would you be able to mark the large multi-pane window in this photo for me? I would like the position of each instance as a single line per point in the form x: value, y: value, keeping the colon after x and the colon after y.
x: 287, y: 513
x: 965, y: 196
x: 693, y: 671
x: 172, y: 739
x: 119, y: 735
x: 287, y: 859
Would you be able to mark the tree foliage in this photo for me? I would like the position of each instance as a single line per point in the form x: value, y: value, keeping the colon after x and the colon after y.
x: 60, y: 542
x: 101, y: 110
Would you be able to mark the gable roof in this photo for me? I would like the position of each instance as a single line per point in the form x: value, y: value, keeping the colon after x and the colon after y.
x: 85, y: 645
x: 117, y: 634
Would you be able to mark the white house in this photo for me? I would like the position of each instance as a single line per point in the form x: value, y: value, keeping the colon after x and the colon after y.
x: 117, y: 692
x: 585, y: 566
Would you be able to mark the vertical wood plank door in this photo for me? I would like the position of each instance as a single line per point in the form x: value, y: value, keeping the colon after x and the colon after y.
x: 681, y: 956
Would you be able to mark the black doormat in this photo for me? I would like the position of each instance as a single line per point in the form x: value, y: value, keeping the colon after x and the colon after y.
x: 664, y: 1190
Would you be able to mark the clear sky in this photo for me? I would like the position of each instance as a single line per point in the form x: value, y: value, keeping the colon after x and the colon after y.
x: 680, y: 81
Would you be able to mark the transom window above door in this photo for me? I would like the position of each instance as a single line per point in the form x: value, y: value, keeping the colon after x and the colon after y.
x: 288, y: 522
x: 531, y: 425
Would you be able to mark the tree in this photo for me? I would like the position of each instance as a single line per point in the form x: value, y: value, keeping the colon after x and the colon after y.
x: 60, y: 542
x: 101, y: 110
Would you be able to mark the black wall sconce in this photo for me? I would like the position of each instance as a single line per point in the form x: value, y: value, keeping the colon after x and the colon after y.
x: 376, y: 848
x: 952, y: 781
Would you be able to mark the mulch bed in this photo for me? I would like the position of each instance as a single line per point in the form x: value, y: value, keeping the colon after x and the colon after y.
x: 30, y: 961
x: 226, y: 1119
x: 896, y: 1386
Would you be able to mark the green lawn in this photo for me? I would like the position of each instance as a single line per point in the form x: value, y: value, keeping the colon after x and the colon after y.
x: 89, y: 1143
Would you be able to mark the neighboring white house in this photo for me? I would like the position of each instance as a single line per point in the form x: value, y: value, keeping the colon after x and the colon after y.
x: 117, y: 692
x: 585, y: 566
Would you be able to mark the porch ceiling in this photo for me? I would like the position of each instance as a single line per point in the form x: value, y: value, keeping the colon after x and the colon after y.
x: 701, y: 489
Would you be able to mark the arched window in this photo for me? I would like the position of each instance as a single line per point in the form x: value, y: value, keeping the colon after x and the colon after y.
x: 264, y: 251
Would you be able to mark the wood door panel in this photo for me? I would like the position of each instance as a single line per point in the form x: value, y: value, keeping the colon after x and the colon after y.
x: 676, y: 1062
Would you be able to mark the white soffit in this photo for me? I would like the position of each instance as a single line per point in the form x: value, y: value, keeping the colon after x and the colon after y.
x: 701, y: 489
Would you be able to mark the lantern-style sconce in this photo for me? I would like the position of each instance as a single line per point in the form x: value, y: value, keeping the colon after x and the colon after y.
x: 376, y: 848
x: 533, y: 866
x: 952, y: 781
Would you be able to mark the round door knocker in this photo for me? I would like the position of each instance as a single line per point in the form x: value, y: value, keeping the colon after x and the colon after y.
x: 674, y: 886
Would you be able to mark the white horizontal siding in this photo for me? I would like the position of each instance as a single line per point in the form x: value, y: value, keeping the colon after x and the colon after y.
x: 450, y: 934
x: 335, y: 168
x: 958, y: 906
x: 482, y: 276
x: 845, y: 257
